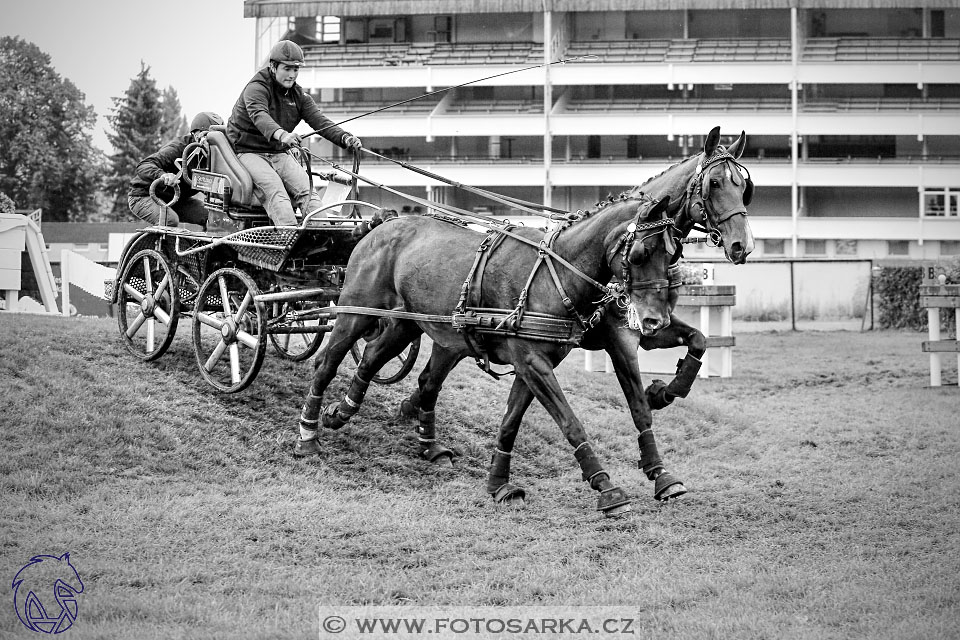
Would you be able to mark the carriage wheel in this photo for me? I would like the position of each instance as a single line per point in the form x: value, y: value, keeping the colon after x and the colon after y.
x: 148, y: 306
x: 395, y: 370
x: 296, y: 346
x: 229, y: 330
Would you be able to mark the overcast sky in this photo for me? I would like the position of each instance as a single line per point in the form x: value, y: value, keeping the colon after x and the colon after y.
x: 202, y: 48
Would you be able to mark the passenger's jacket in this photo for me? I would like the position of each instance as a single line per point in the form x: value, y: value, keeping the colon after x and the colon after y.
x: 157, y: 164
x: 264, y: 106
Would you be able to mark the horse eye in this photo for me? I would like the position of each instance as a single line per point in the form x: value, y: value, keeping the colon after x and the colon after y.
x: 714, y: 183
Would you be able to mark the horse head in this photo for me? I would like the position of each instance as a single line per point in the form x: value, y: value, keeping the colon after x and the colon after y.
x: 719, y: 193
x: 645, y: 253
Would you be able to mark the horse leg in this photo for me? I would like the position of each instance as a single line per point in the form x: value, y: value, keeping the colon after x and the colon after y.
x: 622, y: 348
x: 679, y: 333
x: 345, y: 332
x: 410, y: 406
x: 536, y: 371
x: 498, y: 480
x: 442, y: 361
x: 387, y: 346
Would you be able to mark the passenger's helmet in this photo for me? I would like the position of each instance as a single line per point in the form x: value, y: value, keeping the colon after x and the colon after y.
x: 287, y: 52
x: 204, y: 120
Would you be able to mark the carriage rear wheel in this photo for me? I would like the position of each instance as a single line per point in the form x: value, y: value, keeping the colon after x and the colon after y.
x: 395, y: 370
x: 148, y: 306
x: 298, y: 335
x: 229, y: 330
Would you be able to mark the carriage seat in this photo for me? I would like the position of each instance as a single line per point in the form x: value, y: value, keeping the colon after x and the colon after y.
x: 224, y: 160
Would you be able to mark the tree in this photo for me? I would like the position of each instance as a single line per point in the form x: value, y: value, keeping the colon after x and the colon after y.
x: 136, y: 133
x: 47, y: 156
x: 143, y: 120
x: 173, y: 123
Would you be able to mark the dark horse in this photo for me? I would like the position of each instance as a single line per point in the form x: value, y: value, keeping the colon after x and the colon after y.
x: 705, y: 190
x: 519, y: 305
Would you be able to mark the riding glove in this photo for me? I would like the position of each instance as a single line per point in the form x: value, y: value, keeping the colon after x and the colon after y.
x: 351, y: 141
x: 288, y: 139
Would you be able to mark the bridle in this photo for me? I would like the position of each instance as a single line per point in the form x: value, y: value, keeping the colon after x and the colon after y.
x: 625, y: 246
x: 698, y: 207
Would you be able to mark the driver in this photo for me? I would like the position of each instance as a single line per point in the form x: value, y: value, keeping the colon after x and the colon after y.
x: 261, y: 128
x: 161, y: 165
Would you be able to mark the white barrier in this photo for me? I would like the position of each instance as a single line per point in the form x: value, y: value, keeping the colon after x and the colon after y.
x: 83, y: 273
x: 933, y: 298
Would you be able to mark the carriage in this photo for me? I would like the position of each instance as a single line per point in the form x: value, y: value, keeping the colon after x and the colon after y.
x: 242, y: 281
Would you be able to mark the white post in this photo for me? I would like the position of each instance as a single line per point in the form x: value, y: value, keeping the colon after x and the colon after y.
x: 957, y: 336
x: 726, y: 353
x: 65, y: 282
x: 705, y: 330
x: 933, y: 325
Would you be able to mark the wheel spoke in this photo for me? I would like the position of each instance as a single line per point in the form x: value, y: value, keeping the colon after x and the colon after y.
x: 235, y: 363
x: 147, y: 276
x: 247, y: 299
x: 215, y: 356
x: 162, y: 316
x: 210, y: 321
x: 135, y: 326
x: 151, y: 334
x: 247, y: 339
x: 132, y: 292
x: 224, y: 295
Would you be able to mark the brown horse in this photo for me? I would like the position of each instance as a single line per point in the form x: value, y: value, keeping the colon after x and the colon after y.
x: 534, y: 310
x: 707, y: 189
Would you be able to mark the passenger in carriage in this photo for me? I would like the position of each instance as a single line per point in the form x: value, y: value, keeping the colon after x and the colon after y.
x: 260, y: 130
x: 161, y: 165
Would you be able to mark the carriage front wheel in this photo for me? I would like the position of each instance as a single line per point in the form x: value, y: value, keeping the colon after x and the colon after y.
x: 148, y: 306
x: 229, y: 330
x: 395, y: 370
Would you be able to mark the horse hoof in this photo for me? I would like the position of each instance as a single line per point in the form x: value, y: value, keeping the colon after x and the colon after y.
x: 616, y: 512
x: 667, y: 486
x: 443, y: 460
x: 438, y: 455
x: 510, y: 495
x: 613, y: 501
x: 408, y: 409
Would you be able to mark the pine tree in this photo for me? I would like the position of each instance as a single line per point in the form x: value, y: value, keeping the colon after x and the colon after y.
x: 173, y: 123
x: 136, y: 123
x: 47, y: 156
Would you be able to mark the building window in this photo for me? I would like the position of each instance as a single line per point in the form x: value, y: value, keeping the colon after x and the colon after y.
x: 846, y: 247
x: 328, y: 28
x: 941, y: 203
x: 772, y: 247
x: 81, y: 246
x: 898, y: 247
x: 815, y: 247
x: 950, y: 247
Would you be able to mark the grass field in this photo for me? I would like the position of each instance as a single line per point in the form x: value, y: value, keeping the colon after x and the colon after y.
x: 824, y: 498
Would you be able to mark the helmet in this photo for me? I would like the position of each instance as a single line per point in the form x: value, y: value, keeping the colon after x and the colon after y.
x: 287, y: 52
x: 204, y: 120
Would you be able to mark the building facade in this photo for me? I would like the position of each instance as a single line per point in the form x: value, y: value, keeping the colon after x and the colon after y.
x: 851, y: 107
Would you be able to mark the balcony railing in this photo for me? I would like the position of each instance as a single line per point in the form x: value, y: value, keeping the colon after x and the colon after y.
x: 880, y: 49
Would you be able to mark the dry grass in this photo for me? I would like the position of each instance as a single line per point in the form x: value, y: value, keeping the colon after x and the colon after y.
x: 824, y: 502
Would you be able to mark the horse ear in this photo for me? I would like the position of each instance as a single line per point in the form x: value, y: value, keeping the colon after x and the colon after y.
x: 736, y: 149
x: 660, y: 208
x: 710, y: 145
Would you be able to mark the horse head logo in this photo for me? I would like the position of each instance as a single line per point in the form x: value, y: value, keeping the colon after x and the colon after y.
x: 43, y: 577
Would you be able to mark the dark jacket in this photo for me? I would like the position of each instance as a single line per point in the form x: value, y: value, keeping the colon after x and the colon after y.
x: 157, y: 164
x: 264, y: 106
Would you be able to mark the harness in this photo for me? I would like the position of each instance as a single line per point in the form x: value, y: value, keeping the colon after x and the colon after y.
x: 474, y: 321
